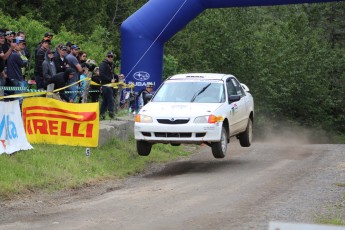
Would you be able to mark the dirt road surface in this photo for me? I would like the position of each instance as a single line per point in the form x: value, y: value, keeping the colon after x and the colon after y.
x: 287, y: 182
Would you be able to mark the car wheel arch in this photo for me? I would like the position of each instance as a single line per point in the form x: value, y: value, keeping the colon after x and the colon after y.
x: 227, y: 128
x: 251, y: 116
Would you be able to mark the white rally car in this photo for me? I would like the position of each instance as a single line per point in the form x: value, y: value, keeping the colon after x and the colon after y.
x: 196, y: 108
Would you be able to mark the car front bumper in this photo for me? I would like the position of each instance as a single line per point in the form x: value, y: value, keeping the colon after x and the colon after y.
x: 186, y: 133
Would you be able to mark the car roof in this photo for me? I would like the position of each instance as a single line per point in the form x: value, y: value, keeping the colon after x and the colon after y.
x: 200, y: 76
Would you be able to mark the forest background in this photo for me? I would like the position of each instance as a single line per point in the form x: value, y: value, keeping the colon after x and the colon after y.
x: 291, y: 57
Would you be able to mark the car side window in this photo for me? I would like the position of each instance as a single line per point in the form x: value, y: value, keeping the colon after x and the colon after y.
x: 230, y: 87
x: 238, y: 87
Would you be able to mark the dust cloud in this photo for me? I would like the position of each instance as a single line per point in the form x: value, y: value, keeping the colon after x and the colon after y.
x: 284, y: 133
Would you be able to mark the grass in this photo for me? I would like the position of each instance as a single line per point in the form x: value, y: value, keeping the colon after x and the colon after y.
x: 338, y: 217
x: 334, y: 221
x: 340, y: 138
x: 51, y: 167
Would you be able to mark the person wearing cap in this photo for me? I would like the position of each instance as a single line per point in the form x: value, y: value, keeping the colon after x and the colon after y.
x: 72, y: 59
x: 69, y: 45
x: 60, y: 80
x: 49, y: 36
x: 143, y: 96
x: 26, y: 51
x: 74, y: 64
x: 14, y: 66
x: 39, y: 58
x: 6, y: 47
x: 57, y: 48
x: 95, y: 89
x: 60, y: 61
x: 22, y: 52
x: 107, y: 75
x: 48, y: 67
x: 9, y: 37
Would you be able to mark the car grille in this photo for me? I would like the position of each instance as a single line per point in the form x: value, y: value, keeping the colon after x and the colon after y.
x: 174, y: 135
x: 173, y: 122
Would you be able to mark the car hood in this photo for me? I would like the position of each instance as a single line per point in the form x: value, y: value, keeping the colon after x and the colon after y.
x: 168, y: 109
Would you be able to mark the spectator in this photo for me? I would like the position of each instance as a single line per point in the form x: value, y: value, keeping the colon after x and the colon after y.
x: 143, y: 96
x: 61, y: 61
x: 83, y: 84
x: 60, y: 80
x: 39, y: 58
x: 69, y: 45
x: 2, y: 62
x: 49, y: 36
x: 8, y: 40
x: 72, y: 59
x: 92, y: 64
x: 95, y: 89
x: 26, y: 51
x: 74, y: 64
x: 48, y: 67
x: 6, y: 47
x: 106, y: 71
x: 14, y: 65
x: 82, y: 57
x: 56, y: 51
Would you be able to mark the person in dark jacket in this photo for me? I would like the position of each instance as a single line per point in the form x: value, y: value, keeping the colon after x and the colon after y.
x: 60, y: 80
x: 60, y: 60
x: 14, y: 67
x: 48, y: 67
x: 107, y: 75
x: 143, y: 95
x: 95, y: 89
x: 39, y: 58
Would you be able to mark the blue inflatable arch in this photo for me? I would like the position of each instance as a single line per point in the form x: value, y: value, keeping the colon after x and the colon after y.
x: 144, y: 33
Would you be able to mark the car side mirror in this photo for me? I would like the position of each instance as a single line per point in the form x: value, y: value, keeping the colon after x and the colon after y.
x: 233, y: 98
x: 245, y: 88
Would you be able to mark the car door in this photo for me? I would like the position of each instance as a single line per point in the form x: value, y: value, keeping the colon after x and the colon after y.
x: 243, y: 110
x: 237, y: 108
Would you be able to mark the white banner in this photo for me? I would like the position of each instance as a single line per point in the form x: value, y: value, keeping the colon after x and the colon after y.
x: 12, y: 134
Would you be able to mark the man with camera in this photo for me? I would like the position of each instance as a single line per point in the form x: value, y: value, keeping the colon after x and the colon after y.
x: 107, y: 75
x: 15, y: 64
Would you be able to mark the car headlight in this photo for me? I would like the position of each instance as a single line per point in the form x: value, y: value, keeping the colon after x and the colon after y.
x: 143, y: 118
x: 211, y: 119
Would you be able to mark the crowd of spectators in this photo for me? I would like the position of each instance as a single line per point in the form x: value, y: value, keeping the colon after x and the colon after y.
x: 62, y: 65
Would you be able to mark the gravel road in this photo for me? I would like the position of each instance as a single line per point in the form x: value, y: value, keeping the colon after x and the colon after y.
x: 287, y: 182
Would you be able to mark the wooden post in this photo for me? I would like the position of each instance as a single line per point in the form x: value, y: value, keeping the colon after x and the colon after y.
x: 84, y: 100
x: 50, y: 89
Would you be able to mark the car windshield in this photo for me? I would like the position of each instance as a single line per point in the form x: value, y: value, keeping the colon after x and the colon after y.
x: 195, y: 92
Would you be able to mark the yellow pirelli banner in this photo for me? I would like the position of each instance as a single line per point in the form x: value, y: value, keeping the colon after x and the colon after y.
x: 48, y: 120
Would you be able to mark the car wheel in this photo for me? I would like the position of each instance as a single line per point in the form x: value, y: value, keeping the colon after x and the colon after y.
x: 143, y: 148
x: 219, y: 148
x: 246, y: 137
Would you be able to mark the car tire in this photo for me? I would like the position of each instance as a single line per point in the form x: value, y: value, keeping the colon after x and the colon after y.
x: 143, y: 148
x: 246, y: 137
x: 219, y: 148
x: 175, y: 144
